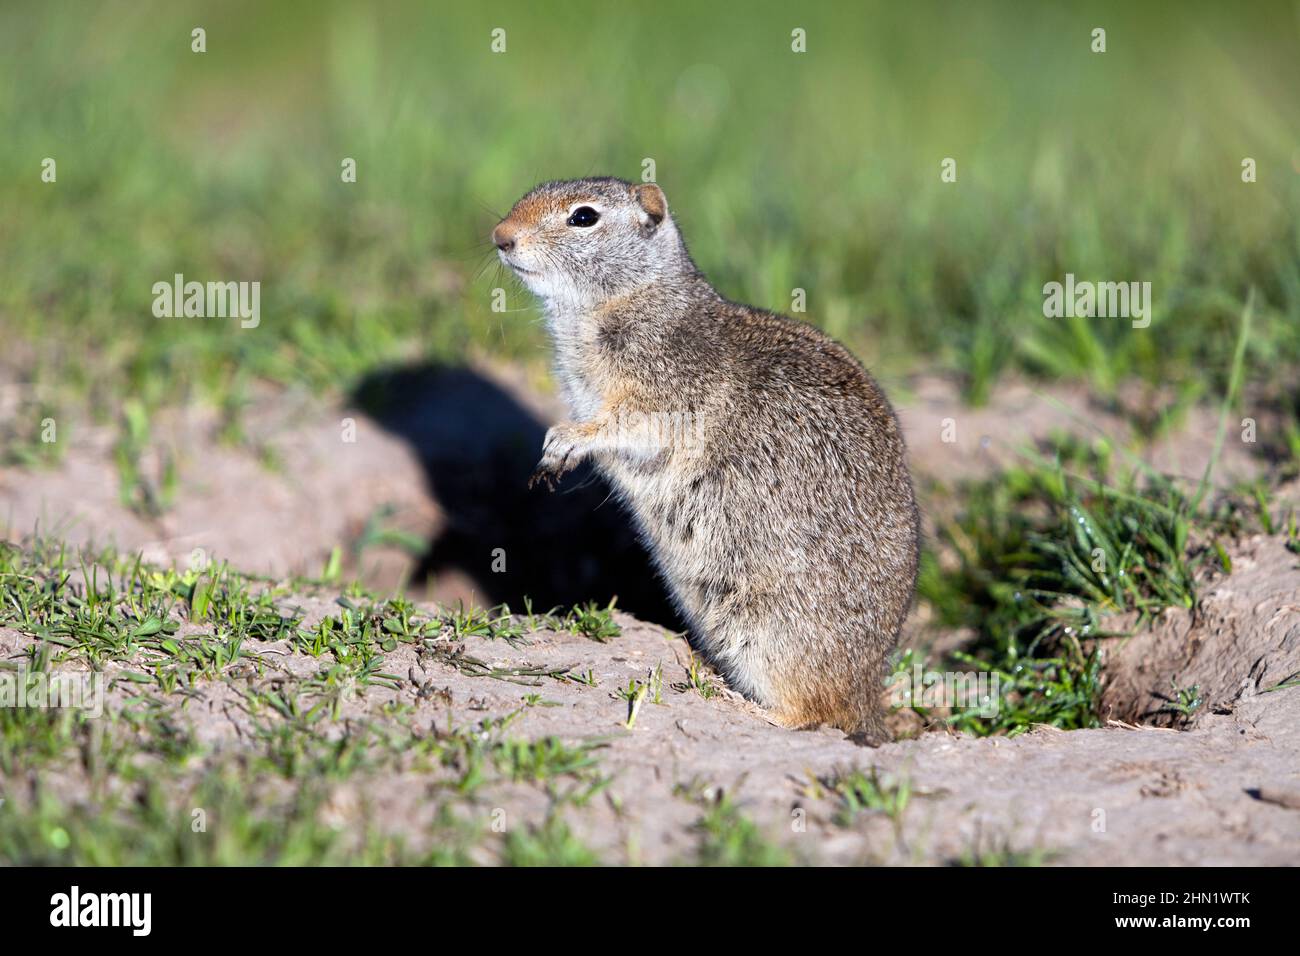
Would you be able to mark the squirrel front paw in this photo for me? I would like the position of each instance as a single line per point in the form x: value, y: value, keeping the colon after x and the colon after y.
x: 563, y: 449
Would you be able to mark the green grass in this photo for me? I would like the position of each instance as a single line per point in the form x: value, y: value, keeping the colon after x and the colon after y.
x: 698, y: 679
x: 1000, y: 851
x: 137, y: 786
x: 817, y: 171
x: 550, y: 843
x: 860, y: 791
x: 593, y: 622
x: 139, y: 769
x: 106, y: 607
x: 1041, y: 559
x: 1184, y: 701
x: 269, y: 804
x: 1039, y: 564
x: 726, y: 837
x: 1046, y: 555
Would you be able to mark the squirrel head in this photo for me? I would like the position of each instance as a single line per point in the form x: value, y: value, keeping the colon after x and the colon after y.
x: 582, y: 242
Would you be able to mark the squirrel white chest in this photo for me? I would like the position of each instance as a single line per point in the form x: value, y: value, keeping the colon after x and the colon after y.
x: 573, y: 346
x: 584, y: 402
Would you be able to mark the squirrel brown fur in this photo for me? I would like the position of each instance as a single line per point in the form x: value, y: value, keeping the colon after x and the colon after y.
x: 764, y: 467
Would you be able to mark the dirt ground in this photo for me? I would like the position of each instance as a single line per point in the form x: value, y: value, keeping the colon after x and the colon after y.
x: 1224, y: 789
x: 481, y: 427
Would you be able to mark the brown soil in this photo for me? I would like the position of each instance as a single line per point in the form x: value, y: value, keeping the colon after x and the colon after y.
x: 1243, y: 636
x: 1122, y: 795
x: 442, y: 464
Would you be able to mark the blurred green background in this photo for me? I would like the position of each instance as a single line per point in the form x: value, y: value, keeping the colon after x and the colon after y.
x: 817, y: 170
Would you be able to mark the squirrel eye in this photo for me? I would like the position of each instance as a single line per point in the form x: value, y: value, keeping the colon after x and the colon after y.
x: 584, y: 216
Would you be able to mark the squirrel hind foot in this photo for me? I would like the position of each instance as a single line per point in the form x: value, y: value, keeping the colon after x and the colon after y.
x: 864, y: 729
x: 872, y: 737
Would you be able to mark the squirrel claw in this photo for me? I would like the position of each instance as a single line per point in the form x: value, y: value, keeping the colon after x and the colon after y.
x: 542, y: 474
x: 560, y: 454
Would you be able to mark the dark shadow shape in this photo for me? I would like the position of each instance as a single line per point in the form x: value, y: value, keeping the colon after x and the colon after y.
x: 479, y: 446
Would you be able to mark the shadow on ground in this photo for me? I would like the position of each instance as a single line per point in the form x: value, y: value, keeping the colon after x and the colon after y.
x: 478, y: 446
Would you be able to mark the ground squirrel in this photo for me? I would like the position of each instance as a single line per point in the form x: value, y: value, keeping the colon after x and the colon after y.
x: 763, y: 465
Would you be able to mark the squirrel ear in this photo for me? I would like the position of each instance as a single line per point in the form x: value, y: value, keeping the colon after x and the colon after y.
x: 652, y: 202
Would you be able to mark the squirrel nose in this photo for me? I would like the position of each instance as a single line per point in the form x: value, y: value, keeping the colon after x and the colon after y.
x: 504, y: 237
